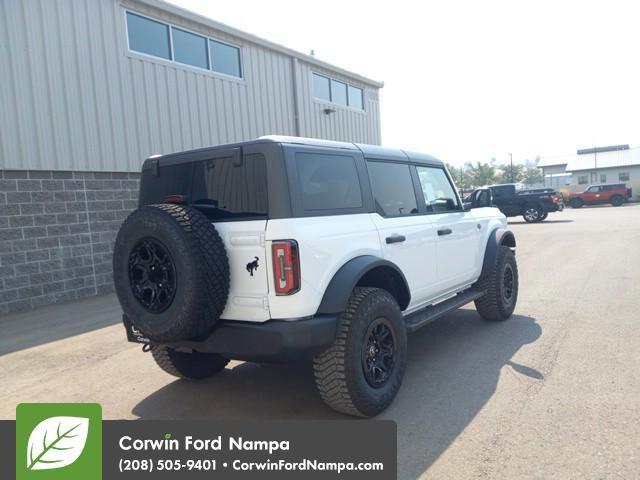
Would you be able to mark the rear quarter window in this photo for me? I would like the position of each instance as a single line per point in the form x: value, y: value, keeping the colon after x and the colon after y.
x: 328, y: 182
x: 231, y: 187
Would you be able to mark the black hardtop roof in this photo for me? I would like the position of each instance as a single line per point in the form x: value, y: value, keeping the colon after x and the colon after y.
x: 369, y: 151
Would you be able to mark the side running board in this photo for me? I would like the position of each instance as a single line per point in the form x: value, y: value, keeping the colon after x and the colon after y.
x: 420, y: 318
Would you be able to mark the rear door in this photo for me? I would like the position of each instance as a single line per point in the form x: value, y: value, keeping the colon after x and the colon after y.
x: 230, y: 188
x: 458, y: 233
x: 407, y: 235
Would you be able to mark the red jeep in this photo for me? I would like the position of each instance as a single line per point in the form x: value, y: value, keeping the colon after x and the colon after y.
x: 614, y: 193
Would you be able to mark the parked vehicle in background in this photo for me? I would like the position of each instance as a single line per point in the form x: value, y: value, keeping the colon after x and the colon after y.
x: 533, y: 205
x: 614, y: 193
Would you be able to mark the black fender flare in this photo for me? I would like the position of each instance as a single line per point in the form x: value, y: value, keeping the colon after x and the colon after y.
x: 347, y: 277
x: 498, y: 237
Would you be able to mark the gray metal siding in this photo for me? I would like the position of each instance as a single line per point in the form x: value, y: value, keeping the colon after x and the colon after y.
x: 74, y: 98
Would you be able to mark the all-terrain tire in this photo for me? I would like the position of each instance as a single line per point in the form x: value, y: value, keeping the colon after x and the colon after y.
x: 340, y: 370
x: 195, y: 257
x: 576, y: 203
x: 532, y: 213
x: 498, y: 303
x: 195, y: 365
x: 617, y: 200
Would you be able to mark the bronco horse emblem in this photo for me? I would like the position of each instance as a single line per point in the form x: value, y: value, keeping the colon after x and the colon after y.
x: 251, y: 266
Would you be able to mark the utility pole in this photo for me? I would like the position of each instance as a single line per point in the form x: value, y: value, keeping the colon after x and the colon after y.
x: 511, y: 161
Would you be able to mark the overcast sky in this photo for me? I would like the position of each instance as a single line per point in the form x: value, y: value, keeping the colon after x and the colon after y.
x: 471, y: 80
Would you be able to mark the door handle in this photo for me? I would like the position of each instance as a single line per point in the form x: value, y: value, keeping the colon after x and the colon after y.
x: 396, y: 239
x: 445, y: 231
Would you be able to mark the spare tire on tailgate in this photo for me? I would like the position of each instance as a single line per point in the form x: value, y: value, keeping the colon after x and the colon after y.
x: 171, y: 272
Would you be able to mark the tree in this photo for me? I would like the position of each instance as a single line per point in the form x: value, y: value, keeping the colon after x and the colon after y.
x: 533, y: 176
x: 481, y: 174
x: 460, y: 175
x: 505, y: 173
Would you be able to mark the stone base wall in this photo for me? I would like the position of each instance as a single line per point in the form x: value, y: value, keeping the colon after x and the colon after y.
x: 57, y: 231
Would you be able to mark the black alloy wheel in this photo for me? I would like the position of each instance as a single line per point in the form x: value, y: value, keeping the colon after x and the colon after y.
x: 378, y: 352
x: 152, y: 275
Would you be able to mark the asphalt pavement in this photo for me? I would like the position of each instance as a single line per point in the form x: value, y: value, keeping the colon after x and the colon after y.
x: 553, y: 393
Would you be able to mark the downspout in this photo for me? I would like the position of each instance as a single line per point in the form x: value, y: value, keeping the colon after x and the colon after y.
x: 296, y: 103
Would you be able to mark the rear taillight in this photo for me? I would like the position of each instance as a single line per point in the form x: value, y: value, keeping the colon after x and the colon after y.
x: 286, y: 266
x: 554, y: 198
x: 175, y: 199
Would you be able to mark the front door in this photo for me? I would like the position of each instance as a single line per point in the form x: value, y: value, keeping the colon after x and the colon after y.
x: 457, y: 232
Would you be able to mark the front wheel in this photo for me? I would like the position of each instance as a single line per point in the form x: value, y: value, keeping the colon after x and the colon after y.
x: 193, y: 365
x: 361, y: 373
x: 501, y: 287
x: 532, y: 213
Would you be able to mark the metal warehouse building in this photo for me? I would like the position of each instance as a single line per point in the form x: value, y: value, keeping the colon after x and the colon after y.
x: 89, y: 89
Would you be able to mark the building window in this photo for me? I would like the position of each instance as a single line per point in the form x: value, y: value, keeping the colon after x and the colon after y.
x: 603, y: 178
x: 355, y: 97
x: 162, y: 40
x: 623, y: 176
x: 583, y: 179
x: 148, y: 36
x: 189, y: 48
x: 321, y: 88
x: 339, y: 92
x: 335, y: 91
x: 225, y: 58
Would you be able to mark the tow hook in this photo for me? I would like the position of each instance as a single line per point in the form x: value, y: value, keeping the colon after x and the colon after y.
x: 146, y: 347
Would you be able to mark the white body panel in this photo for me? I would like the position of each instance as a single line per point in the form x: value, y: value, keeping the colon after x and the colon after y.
x: 435, y: 266
x: 326, y: 244
x: 244, y: 241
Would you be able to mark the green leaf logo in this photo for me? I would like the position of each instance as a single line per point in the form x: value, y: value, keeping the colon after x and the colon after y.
x: 56, y: 442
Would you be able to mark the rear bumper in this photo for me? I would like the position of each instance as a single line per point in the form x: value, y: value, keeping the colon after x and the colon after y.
x: 272, y: 341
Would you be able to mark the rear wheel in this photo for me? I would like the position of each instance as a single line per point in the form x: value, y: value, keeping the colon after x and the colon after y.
x: 501, y: 287
x: 361, y: 373
x: 617, y: 200
x: 194, y: 365
x: 532, y: 213
x: 576, y: 203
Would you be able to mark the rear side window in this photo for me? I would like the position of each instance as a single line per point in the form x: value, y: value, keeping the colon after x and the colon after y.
x: 501, y: 192
x: 328, y: 182
x: 231, y: 187
x: 392, y: 189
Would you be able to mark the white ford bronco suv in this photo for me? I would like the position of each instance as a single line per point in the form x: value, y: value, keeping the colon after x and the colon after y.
x: 284, y: 247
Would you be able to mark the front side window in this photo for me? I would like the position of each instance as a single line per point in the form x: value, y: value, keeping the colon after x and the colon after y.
x: 328, y: 182
x: 148, y: 36
x: 392, y: 189
x: 623, y: 176
x: 593, y: 189
x: 438, y: 192
x: 190, y: 48
x: 225, y: 58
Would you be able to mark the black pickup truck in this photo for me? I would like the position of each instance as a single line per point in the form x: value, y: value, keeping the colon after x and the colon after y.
x: 534, y: 205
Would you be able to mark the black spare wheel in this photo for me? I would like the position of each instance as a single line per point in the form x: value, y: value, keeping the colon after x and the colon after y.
x: 171, y: 272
